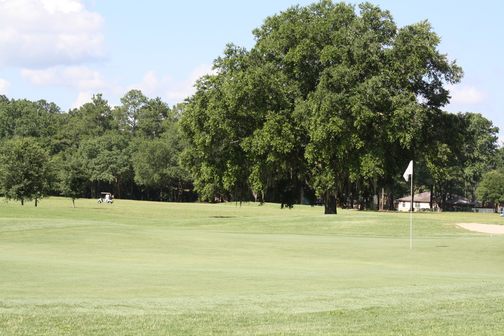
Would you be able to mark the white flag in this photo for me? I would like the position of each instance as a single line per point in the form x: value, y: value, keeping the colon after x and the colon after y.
x: 409, y: 171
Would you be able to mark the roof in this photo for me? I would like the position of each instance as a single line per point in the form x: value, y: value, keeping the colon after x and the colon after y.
x: 424, y: 197
x: 459, y: 200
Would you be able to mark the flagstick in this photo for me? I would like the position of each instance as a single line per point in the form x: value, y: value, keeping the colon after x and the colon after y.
x: 411, y: 212
x: 411, y: 230
x: 409, y: 174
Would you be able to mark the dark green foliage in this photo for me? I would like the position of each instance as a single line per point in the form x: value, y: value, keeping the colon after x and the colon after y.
x: 127, y: 114
x: 491, y: 188
x: 72, y: 178
x: 24, y: 118
x: 25, y: 171
x: 328, y: 106
x: 90, y: 120
x: 499, y: 158
x: 107, y: 159
x: 461, y: 148
x: 151, y: 118
x: 156, y: 165
x: 328, y: 96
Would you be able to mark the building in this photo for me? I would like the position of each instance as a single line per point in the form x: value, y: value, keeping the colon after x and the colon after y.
x: 421, y: 201
x: 424, y: 202
x: 459, y: 203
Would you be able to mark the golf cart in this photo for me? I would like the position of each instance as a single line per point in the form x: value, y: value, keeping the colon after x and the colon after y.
x: 106, y: 197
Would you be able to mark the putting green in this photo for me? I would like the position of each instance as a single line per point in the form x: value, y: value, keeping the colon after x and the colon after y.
x: 147, y: 268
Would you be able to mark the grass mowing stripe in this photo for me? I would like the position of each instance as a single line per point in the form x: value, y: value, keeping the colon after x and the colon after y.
x: 147, y: 268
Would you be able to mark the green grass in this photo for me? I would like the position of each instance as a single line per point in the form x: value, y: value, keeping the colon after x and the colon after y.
x: 146, y: 268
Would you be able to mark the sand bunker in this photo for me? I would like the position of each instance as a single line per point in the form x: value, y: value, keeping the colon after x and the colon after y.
x: 484, y: 228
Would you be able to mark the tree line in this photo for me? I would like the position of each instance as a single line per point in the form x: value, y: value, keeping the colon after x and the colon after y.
x: 328, y: 107
x: 131, y: 150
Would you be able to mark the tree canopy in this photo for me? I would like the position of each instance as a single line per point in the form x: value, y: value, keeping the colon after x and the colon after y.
x: 24, y: 170
x: 327, y: 107
x: 491, y: 188
x: 330, y: 97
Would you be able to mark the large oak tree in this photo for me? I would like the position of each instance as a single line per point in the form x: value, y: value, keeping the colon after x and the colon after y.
x: 329, y: 95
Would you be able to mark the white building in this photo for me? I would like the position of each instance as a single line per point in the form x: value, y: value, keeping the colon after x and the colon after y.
x: 421, y: 201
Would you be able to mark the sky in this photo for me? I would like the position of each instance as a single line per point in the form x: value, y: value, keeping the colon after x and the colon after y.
x: 67, y: 50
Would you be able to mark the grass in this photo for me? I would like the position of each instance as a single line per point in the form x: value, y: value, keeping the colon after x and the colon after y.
x: 146, y: 268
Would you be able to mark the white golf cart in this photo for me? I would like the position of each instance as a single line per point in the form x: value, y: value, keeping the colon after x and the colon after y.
x: 106, y: 197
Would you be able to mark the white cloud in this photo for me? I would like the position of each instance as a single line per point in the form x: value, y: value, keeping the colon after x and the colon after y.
x: 84, y: 79
x: 151, y: 84
x: 64, y: 6
x: 4, y: 86
x: 80, y: 77
x: 82, y: 98
x: 167, y: 88
x: 186, y: 88
x: 43, y: 33
x: 466, y: 95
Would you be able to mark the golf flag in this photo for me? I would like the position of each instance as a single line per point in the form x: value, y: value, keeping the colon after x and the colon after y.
x: 408, y: 175
x: 409, y: 171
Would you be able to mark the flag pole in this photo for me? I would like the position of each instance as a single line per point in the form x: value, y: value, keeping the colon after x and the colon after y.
x: 411, y: 210
x: 408, y: 174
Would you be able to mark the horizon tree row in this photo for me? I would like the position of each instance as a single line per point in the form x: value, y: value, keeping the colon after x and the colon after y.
x: 82, y: 154
x: 328, y: 107
x: 131, y: 150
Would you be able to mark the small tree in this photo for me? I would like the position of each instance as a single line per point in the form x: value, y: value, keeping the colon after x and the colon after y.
x: 24, y: 170
x: 156, y: 163
x: 491, y: 188
x: 107, y: 159
x: 72, y: 178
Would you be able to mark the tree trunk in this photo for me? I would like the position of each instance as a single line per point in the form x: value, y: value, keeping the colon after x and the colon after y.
x: 73, y: 202
x: 382, y: 200
x: 118, y: 187
x: 36, y: 202
x: 390, y: 201
x: 330, y: 204
x: 301, y: 195
x: 22, y: 201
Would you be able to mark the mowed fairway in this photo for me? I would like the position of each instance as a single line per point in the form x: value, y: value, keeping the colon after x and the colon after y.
x: 146, y: 268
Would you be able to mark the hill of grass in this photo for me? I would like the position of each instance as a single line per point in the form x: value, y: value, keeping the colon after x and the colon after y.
x: 147, y: 268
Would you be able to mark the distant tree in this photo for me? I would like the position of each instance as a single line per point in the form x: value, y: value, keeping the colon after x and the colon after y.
x: 156, y: 164
x: 151, y: 117
x: 25, y: 171
x: 107, y: 159
x: 5, y: 118
x: 90, y: 120
x: 72, y: 179
x: 215, y: 122
x: 460, y: 148
x: 499, y: 158
x: 127, y: 114
x: 177, y: 110
x: 443, y: 156
x: 491, y: 187
x: 25, y: 118
x: 479, y: 149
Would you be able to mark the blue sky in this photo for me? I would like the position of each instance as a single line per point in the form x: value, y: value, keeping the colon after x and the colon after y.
x: 66, y: 50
